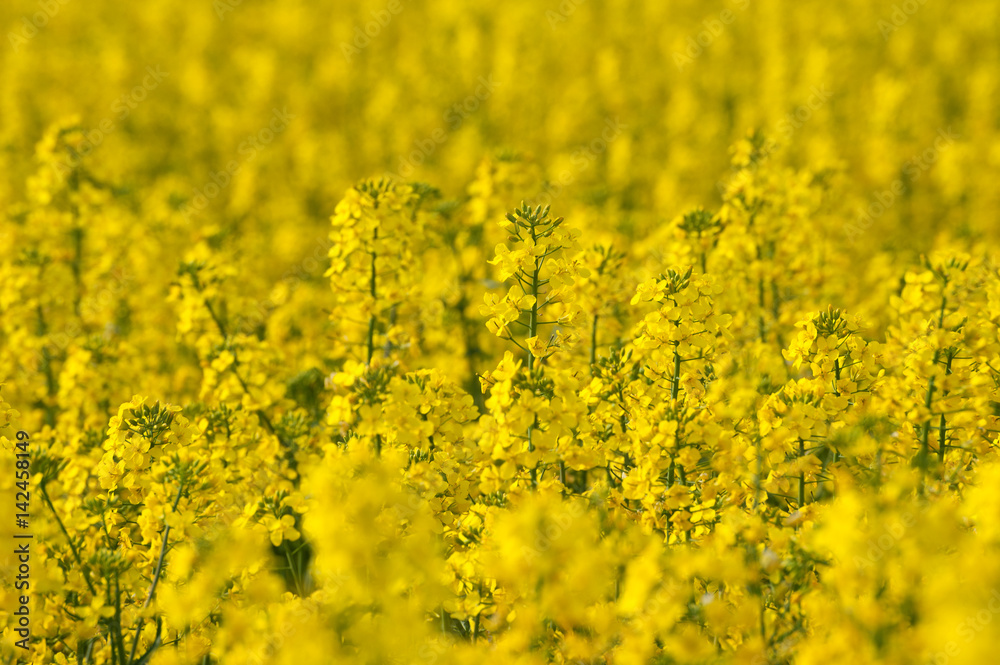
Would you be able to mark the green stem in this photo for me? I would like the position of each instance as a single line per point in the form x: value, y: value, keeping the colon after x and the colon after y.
x: 942, y: 430
x: 42, y: 329
x: 287, y: 445
x: 532, y: 332
x: 676, y: 382
x: 533, y: 316
x: 374, y: 295
x: 756, y: 481
x: 470, y: 333
x: 924, y: 454
x: 77, y: 236
x: 761, y: 300
x: 593, y: 341
x: 72, y: 547
x: 534, y: 469
x: 296, y: 577
x: 156, y: 573
x: 802, y: 475
x: 925, y: 433
x: 117, y: 633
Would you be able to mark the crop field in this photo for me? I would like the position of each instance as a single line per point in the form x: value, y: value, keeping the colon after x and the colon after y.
x: 435, y: 332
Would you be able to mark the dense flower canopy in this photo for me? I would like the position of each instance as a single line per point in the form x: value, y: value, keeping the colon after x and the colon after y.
x: 588, y: 332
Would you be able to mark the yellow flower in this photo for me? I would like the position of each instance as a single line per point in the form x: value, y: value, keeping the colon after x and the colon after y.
x: 280, y: 529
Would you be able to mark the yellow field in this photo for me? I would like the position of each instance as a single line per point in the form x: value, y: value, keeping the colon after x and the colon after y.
x: 448, y: 332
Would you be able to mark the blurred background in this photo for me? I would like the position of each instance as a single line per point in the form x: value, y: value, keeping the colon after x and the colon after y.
x: 377, y: 86
x: 138, y: 135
